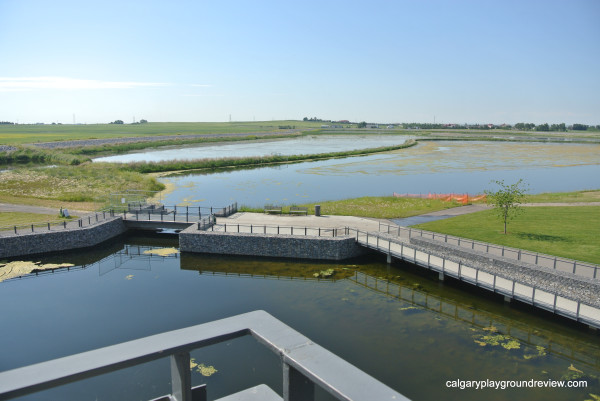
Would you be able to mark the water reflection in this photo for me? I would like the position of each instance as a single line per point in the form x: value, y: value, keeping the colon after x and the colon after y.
x: 396, y: 322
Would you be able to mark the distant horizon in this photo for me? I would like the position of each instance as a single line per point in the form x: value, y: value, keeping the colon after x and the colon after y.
x: 464, y: 61
x: 496, y: 125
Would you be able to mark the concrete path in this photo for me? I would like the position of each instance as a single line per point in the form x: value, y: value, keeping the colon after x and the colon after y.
x: 245, y: 218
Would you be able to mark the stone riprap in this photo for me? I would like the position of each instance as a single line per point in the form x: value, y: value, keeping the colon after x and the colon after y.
x: 270, y: 245
x: 6, y: 148
x: 564, y: 284
x: 53, y: 241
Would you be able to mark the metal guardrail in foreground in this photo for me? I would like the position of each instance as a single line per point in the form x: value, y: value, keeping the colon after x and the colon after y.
x: 305, y: 364
x: 56, y: 225
x: 281, y: 230
x: 576, y: 267
x: 530, y: 294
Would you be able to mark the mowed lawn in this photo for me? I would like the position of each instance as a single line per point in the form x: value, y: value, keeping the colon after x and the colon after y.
x: 570, y: 231
x: 9, y: 219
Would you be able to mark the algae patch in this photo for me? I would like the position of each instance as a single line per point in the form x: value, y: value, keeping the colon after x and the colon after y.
x: 325, y: 273
x: 494, y: 340
x: 162, y: 251
x: 541, y: 351
x: 201, y: 368
x: 21, y: 268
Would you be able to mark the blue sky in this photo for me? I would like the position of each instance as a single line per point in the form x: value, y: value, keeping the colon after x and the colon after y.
x: 380, y: 61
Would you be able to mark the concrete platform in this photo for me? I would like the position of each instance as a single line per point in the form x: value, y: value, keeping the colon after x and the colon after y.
x: 262, y: 392
x: 365, y: 224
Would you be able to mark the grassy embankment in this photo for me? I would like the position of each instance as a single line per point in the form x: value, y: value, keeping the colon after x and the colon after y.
x: 569, y: 231
x: 230, y: 162
x: 90, y: 183
x: 83, y: 187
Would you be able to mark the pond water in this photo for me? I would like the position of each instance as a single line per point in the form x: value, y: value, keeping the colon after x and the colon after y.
x: 433, y: 166
x: 412, y: 332
x: 303, y: 145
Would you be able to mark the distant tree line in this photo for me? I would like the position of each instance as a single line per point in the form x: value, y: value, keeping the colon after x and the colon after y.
x: 6, y: 123
x: 315, y: 119
x: 562, y: 127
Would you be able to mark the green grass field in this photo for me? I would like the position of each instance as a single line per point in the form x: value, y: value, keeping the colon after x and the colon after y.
x: 569, y: 231
x: 383, y: 207
x: 565, y: 197
x: 22, y: 134
x: 8, y: 219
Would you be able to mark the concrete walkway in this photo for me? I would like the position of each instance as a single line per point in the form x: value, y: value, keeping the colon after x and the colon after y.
x: 260, y: 219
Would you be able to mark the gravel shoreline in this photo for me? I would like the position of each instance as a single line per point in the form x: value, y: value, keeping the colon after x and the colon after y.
x: 114, y: 141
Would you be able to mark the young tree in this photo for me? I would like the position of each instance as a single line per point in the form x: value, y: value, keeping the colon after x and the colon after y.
x: 507, y: 200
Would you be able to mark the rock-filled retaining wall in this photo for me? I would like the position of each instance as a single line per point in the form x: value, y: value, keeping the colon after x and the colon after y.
x: 286, y: 246
x: 564, y: 284
x: 53, y: 241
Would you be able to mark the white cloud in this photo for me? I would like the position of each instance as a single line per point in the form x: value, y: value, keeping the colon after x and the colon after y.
x: 10, y: 84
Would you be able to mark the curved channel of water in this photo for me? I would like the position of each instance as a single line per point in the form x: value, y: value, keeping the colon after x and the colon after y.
x: 303, y: 145
x: 397, y: 323
x: 437, y: 166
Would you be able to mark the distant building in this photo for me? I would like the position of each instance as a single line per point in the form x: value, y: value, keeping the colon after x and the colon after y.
x: 324, y: 126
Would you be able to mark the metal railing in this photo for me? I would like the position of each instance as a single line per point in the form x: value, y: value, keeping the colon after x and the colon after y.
x: 86, y: 221
x: 187, y: 214
x: 576, y: 267
x: 281, y: 230
x: 512, y: 288
x: 305, y: 364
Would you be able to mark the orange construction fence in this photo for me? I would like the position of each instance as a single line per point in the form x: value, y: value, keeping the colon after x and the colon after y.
x: 462, y: 198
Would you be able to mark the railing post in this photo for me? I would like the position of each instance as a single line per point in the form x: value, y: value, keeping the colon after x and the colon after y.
x: 64, y: 224
x: 574, y: 266
x: 48, y: 226
x: 181, y: 378
x: 296, y: 386
x: 32, y: 228
x: 15, y: 229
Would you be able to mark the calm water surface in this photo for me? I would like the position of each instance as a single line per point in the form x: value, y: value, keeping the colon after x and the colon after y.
x: 405, y: 328
x: 294, y: 146
x: 440, y: 166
